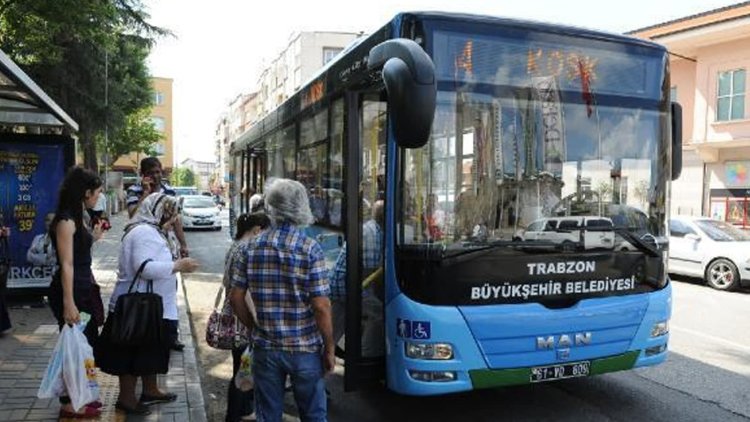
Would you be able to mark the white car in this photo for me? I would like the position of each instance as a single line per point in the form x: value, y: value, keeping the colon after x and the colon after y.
x: 574, y: 232
x: 713, y: 250
x: 199, y: 212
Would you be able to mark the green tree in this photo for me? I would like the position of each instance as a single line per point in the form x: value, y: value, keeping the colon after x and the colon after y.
x: 182, y: 176
x: 67, y: 47
x: 138, y: 134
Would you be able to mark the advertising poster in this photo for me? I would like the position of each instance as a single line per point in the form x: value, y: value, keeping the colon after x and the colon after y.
x: 30, y: 175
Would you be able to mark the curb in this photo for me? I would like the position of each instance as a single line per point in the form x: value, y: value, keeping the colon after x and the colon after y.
x: 196, y: 404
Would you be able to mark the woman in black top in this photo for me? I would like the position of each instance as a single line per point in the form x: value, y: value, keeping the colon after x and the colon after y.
x: 70, y: 290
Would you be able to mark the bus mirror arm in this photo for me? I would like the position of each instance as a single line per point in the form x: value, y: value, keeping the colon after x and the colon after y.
x: 409, y: 77
x: 676, y: 110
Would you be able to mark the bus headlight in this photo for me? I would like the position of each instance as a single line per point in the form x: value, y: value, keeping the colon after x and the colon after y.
x: 660, y: 328
x: 429, y: 351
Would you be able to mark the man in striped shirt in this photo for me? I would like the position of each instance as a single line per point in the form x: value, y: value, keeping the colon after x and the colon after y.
x: 288, y: 283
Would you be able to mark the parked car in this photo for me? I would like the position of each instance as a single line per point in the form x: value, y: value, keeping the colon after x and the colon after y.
x: 199, y: 212
x: 185, y: 190
x: 713, y: 250
x: 572, y: 232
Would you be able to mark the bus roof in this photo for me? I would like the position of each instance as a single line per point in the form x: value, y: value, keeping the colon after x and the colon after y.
x: 346, y: 68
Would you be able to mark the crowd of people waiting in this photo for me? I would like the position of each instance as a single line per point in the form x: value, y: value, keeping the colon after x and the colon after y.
x: 275, y: 276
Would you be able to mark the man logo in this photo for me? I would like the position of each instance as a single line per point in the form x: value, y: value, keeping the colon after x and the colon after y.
x: 563, y: 341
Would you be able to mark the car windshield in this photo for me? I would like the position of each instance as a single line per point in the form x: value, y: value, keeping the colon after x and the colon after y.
x: 532, y: 128
x: 199, y: 203
x: 721, y: 231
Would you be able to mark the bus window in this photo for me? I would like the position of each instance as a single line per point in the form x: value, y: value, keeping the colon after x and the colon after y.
x: 286, y: 143
x: 311, y: 168
x: 312, y: 163
x: 275, y: 156
x: 314, y: 129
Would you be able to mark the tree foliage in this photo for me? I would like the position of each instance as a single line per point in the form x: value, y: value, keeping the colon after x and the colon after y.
x: 137, y: 134
x: 68, y: 46
x: 182, y: 176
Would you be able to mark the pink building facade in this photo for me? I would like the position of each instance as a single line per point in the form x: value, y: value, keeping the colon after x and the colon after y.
x: 710, y: 65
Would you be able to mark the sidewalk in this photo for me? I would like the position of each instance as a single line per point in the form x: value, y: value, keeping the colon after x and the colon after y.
x: 25, y: 352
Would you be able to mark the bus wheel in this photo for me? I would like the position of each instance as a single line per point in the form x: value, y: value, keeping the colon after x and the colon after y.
x: 722, y: 274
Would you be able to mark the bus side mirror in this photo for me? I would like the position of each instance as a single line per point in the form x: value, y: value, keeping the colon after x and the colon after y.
x: 676, y: 140
x: 409, y: 77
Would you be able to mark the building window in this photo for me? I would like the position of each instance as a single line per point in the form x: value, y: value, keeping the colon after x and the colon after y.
x: 731, y: 95
x: 673, y: 93
x: 158, y: 98
x: 159, y: 123
x: 329, y: 53
x: 159, y: 149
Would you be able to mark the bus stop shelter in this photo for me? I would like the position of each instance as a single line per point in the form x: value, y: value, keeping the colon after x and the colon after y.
x: 36, y: 147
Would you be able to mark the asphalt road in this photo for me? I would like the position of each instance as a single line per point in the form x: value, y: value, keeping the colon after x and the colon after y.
x: 706, y: 377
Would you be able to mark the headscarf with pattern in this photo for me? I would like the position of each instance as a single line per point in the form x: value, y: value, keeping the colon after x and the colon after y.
x: 153, y: 210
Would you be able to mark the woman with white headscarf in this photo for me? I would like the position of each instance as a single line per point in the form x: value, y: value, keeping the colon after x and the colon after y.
x: 146, y: 237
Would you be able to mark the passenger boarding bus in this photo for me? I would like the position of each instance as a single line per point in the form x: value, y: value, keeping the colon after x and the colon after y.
x: 429, y: 145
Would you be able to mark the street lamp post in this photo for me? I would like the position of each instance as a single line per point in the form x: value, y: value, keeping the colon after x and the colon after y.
x: 106, y: 128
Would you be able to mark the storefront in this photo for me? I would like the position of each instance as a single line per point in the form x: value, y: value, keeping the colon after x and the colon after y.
x: 729, y: 192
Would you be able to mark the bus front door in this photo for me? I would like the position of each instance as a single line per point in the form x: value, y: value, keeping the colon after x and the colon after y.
x: 364, y: 341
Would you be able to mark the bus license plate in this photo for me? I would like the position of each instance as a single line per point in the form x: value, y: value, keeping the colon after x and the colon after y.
x: 557, y: 372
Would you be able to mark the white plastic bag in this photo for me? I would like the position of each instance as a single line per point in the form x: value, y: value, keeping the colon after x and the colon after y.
x: 52, y: 383
x: 244, y: 378
x: 78, y: 369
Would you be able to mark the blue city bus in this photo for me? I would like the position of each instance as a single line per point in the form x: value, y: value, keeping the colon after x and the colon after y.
x: 519, y: 175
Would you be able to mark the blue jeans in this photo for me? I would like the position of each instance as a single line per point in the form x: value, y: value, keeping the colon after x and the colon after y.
x: 270, y: 369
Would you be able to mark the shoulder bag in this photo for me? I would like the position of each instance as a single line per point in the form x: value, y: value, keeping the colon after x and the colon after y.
x: 224, y: 330
x: 137, y: 319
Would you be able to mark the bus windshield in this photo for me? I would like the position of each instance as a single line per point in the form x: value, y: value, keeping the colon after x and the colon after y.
x: 538, y: 139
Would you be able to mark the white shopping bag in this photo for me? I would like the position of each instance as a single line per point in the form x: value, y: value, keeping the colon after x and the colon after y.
x: 244, y: 378
x: 52, y: 383
x: 78, y: 368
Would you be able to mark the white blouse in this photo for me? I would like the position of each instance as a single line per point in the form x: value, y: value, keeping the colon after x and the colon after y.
x: 144, y: 242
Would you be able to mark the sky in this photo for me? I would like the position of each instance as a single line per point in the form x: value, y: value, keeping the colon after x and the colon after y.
x: 220, y: 47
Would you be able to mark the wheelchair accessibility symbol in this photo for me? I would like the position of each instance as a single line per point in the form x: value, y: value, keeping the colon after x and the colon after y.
x: 418, y: 330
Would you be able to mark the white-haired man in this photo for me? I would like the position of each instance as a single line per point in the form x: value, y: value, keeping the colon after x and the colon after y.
x: 293, y: 334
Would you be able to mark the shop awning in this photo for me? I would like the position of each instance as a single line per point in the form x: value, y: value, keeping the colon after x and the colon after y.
x: 23, y: 103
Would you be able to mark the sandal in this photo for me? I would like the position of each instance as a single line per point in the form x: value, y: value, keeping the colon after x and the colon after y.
x: 88, y: 413
x: 95, y: 404
x: 138, y: 409
x: 164, y: 398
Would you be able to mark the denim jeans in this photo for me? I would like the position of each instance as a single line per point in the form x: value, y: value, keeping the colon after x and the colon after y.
x: 270, y: 369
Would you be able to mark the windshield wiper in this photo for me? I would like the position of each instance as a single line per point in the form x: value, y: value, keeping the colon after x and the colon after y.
x: 639, y: 243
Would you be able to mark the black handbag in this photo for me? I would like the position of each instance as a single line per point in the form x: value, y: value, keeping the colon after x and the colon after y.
x: 137, y: 319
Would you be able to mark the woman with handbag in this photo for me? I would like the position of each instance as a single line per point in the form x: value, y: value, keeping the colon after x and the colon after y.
x: 70, y: 289
x: 239, y: 403
x: 146, y: 264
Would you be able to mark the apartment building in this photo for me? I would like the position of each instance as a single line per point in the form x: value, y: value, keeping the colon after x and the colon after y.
x: 161, y: 116
x: 304, y: 56
x: 710, y: 64
x: 204, y: 172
